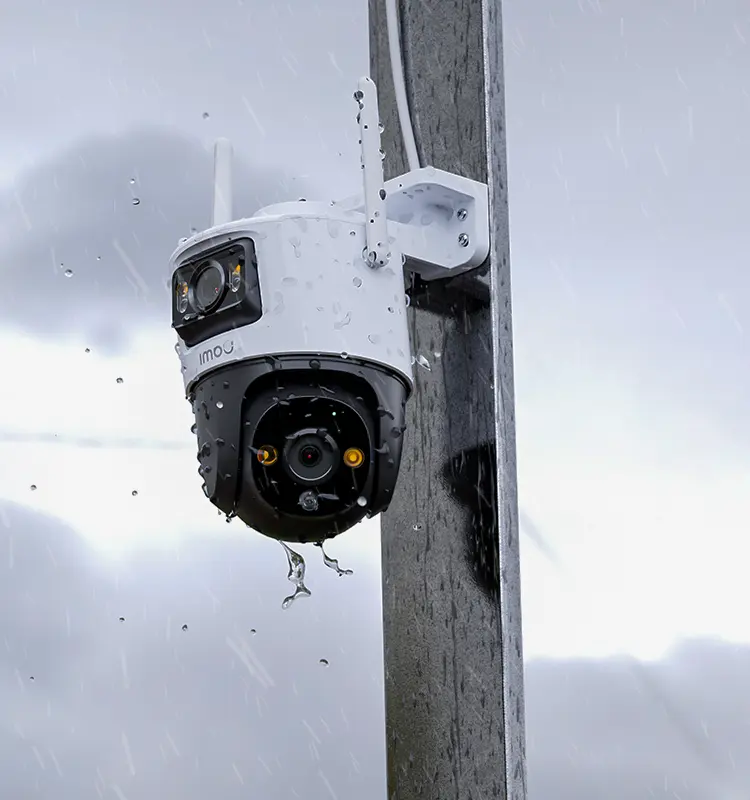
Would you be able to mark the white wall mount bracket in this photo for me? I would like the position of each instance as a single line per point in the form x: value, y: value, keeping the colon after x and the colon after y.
x: 440, y: 221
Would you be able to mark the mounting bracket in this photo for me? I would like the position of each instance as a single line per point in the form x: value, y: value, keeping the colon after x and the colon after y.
x: 440, y: 220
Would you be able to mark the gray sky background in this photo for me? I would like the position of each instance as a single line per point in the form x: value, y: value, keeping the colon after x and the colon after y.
x: 627, y: 128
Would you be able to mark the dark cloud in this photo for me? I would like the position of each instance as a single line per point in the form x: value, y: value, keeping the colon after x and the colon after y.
x: 140, y: 705
x: 111, y: 210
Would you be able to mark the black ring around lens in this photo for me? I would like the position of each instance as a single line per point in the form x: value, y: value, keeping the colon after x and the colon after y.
x: 207, y: 287
x: 324, y: 452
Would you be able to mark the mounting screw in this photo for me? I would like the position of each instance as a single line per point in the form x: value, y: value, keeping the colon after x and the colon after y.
x: 463, y: 239
x: 462, y: 213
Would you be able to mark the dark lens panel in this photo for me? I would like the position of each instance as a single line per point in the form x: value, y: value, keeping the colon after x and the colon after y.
x: 332, y: 427
x: 223, y: 292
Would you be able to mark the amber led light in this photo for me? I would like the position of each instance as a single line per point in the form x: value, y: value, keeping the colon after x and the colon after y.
x: 354, y: 457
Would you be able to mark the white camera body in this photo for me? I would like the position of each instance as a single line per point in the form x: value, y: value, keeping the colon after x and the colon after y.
x: 293, y: 338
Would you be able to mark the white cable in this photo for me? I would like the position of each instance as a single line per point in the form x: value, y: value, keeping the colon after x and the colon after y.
x: 399, y: 84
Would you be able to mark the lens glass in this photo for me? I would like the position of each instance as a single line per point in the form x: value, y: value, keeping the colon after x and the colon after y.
x: 309, y: 455
x: 209, y: 287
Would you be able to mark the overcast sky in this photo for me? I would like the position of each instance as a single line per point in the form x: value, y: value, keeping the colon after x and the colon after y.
x: 627, y: 135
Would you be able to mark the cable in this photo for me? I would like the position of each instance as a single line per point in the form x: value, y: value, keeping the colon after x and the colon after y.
x: 399, y: 84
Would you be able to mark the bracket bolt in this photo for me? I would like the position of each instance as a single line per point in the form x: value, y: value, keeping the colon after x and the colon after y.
x: 463, y: 239
x: 462, y: 213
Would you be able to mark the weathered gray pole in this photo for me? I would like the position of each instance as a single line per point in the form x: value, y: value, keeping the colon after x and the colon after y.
x: 451, y: 588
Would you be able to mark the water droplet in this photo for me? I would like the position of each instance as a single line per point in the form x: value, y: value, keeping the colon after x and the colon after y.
x: 219, y: 404
x: 352, y: 233
x: 194, y: 427
x: 68, y: 273
x: 463, y: 239
x: 417, y: 526
x: 357, y: 282
x: 253, y: 631
x: 342, y: 323
x: 122, y: 619
x: 205, y: 115
x: 119, y: 380
x: 185, y: 627
x: 344, y: 355
x: 314, y: 363
x: 134, y: 493
x: 332, y: 563
x: 381, y: 127
x: 374, y: 337
x: 408, y: 301
x: 423, y: 362
x: 136, y: 201
x: 87, y: 350
x: 98, y: 258
x: 33, y: 487
x: 132, y: 181
x: 295, y: 576
x: 324, y: 662
x: 362, y: 501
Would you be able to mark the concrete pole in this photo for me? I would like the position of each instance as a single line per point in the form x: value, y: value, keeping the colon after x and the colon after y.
x: 451, y: 586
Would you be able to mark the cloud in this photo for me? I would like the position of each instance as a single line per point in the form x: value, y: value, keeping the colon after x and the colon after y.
x: 86, y: 236
x: 623, y: 729
x: 178, y: 675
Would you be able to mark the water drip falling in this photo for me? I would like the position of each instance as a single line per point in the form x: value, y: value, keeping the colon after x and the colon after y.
x: 332, y: 563
x: 296, y: 576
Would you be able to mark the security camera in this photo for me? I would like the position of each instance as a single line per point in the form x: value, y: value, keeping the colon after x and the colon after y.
x: 293, y: 338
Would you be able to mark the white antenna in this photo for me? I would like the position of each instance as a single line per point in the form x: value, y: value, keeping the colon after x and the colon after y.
x: 222, y: 182
x: 378, y: 247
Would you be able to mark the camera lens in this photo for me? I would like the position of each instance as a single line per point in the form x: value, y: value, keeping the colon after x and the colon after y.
x: 309, y: 455
x: 208, y: 287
